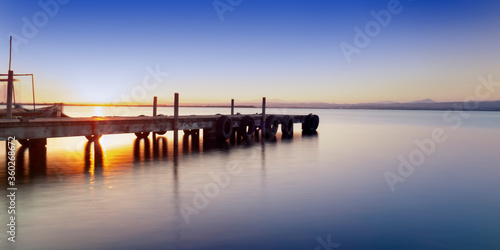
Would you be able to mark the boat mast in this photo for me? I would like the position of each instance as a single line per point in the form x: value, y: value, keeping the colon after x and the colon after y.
x: 10, y: 53
x: 10, y: 84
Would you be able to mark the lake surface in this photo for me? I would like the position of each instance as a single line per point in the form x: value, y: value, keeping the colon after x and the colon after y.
x: 368, y: 179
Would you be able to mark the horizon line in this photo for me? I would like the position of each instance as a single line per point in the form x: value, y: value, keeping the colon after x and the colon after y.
x: 245, y: 103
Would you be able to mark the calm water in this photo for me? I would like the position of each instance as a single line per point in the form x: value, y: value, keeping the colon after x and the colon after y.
x: 325, y: 191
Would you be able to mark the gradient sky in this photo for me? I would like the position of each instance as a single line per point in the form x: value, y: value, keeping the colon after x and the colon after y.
x: 99, y: 51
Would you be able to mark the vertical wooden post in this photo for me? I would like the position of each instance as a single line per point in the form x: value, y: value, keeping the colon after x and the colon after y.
x: 155, y: 105
x: 176, y: 110
x: 33, y: 89
x: 176, y: 123
x: 10, y: 53
x: 232, y: 139
x: 10, y: 87
x: 263, y: 123
x: 232, y: 106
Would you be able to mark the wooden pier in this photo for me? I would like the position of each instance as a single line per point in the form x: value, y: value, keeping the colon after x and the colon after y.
x: 214, y: 127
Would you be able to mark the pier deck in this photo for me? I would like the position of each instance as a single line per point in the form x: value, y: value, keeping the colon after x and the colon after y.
x: 64, y: 127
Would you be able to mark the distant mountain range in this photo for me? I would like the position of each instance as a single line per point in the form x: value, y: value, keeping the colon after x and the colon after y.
x: 426, y: 104
x: 424, y: 101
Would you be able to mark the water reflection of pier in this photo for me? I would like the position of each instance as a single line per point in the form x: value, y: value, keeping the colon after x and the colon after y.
x: 97, y: 158
x: 33, y: 164
x: 31, y: 159
x: 159, y: 149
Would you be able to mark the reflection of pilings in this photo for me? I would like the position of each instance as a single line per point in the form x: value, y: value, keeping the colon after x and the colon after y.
x: 263, y: 167
x: 209, y: 134
x: 157, y: 143
x: 98, y: 157
x: 176, y: 153
x: 86, y: 157
x: 195, y: 142
x: 185, y: 143
x: 232, y: 139
x: 263, y: 121
x: 193, y: 145
x: 272, y: 139
x: 176, y: 198
x: 20, y: 159
x: 215, y: 144
x: 137, y: 149
x: 309, y: 133
x: 37, y: 155
x: 287, y: 138
x: 178, y: 216
x: 243, y: 137
x: 256, y: 134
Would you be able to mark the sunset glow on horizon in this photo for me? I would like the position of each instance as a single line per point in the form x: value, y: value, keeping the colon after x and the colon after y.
x: 126, y: 53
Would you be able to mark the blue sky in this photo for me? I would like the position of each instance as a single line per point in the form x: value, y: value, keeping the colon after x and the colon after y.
x: 101, y: 51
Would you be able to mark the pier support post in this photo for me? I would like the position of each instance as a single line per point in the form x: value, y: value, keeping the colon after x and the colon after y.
x: 263, y: 122
x: 10, y: 90
x: 155, y: 105
x: 38, y: 156
x: 38, y: 153
x: 176, y: 123
x: 233, y: 138
x: 232, y: 106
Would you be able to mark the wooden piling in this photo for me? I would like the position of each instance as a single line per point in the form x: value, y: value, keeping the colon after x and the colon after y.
x: 155, y: 105
x: 176, y: 123
x: 232, y: 106
x: 33, y: 89
x: 10, y: 90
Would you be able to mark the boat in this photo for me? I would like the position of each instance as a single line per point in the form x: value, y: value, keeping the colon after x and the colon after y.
x: 18, y: 112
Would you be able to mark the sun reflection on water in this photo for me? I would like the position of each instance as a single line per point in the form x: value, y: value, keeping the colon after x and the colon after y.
x: 98, y: 111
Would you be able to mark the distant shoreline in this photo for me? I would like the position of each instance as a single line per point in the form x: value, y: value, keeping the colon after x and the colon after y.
x: 444, y: 106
